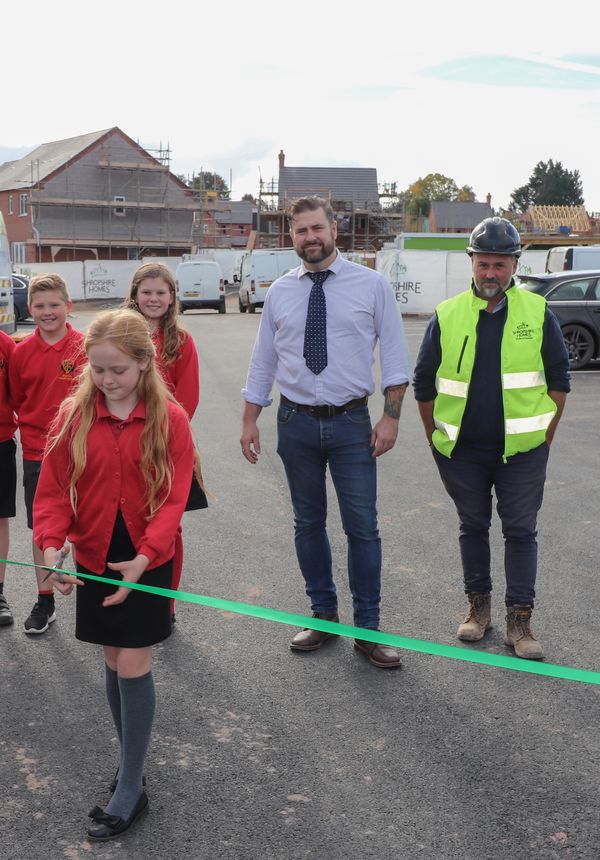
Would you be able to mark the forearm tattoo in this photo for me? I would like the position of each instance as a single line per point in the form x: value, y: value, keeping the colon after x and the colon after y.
x: 394, y: 395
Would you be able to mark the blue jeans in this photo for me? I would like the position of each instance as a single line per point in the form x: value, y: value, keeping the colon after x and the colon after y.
x: 468, y: 477
x: 307, y: 446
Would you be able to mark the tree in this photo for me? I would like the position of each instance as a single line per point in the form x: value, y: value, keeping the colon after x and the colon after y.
x: 550, y: 184
x: 207, y: 181
x: 249, y: 197
x: 433, y: 187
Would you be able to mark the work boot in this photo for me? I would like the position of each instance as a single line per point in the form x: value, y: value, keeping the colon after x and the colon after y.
x: 478, y: 619
x: 311, y: 640
x: 519, y: 635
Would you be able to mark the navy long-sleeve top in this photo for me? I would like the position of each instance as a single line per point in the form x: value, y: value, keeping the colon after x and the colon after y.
x: 483, y: 419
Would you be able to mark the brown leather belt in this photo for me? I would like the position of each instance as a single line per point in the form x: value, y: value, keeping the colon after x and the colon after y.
x: 324, y: 411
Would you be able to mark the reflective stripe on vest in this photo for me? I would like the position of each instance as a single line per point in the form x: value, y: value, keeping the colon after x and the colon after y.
x: 529, y: 425
x: 451, y: 430
x: 524, y: 380
x: 451, y: 387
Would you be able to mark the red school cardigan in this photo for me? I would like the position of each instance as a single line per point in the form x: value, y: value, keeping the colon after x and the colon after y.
x: 113, y: 480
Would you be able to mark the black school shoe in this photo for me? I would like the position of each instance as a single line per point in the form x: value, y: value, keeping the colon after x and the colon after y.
x: 6, y: 616
x: 105, y: 826
x: 40, y: 617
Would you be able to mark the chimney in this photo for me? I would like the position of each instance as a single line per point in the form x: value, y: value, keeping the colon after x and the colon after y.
x: 488, y: 199
x: 281, y: 158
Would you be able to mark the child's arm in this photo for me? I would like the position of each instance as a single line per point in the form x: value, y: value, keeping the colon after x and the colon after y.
x: 162, y: 528
x: 52, y: 511
x: 187, y: 382
x: 17, y: 394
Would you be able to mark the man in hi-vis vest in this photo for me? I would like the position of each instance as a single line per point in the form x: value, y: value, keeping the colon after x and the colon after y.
x: 491, y: 382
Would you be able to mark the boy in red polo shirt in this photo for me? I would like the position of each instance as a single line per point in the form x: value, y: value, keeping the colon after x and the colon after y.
x: 8, y: 467
x: 42, y: 371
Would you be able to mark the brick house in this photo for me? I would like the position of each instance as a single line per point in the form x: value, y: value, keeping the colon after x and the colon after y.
x: 95, y: 196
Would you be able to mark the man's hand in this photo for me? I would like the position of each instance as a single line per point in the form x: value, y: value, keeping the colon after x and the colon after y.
x: 384, y: 435
x: 131, y: 571
x: 250, y: 441
x: 250, y: 438
x: 385, y: 431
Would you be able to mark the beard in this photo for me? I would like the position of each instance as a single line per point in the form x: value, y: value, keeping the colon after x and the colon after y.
x: 490, y: 288
x: 316, y: 252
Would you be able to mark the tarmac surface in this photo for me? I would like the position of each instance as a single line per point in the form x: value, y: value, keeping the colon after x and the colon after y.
x: 259, y: 753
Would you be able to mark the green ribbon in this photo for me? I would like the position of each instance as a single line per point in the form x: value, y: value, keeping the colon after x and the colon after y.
x: 406, y: 643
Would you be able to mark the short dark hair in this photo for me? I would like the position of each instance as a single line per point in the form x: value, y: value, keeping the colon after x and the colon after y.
x: 309, y: 204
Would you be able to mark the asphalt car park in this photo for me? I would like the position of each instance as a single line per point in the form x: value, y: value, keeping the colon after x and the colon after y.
x: 575, y: 299
x: 258, y: 752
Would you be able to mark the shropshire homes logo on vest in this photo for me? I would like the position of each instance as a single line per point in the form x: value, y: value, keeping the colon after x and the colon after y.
x: 523, y: 332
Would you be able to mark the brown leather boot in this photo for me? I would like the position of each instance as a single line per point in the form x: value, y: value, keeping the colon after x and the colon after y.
x: 478, y: 619
x: 519, y: 635
x: 311, y: 640
x: 382, y: 656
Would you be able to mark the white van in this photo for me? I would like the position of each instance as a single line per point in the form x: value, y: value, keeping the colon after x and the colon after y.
x: 200, y: 285
x: 7, y: 310
x: 259, y: 269
x: 568, y: 257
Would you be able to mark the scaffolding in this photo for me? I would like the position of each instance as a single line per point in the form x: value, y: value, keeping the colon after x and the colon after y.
x: 115, y: 205
x: 363, y: 228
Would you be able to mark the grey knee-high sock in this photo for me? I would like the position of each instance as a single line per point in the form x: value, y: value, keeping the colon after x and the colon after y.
x: 137, y: 715
x: 114, y: 698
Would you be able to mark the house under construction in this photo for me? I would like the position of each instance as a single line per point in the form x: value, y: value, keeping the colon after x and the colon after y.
x: 368, y: 213
x: 95, y: 196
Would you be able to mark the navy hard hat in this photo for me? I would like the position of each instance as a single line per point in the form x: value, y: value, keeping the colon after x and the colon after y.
x: 495, y: 236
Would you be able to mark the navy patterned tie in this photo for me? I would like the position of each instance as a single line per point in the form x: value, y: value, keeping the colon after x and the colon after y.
x: 315, y: 332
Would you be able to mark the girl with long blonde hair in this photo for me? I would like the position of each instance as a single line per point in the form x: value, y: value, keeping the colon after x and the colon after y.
x: 114, y: 481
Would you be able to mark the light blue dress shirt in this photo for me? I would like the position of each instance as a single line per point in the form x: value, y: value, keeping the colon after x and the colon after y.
x: 361, y: 310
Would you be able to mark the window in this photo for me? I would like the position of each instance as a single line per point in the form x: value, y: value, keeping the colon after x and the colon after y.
x: 11, y: 205
x: 17, y: 252
x: 22, y: 204
x: 119, y: 210
x: 571, y: 291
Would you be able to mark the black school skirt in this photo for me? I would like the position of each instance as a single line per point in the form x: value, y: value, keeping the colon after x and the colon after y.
x: 141, y: 620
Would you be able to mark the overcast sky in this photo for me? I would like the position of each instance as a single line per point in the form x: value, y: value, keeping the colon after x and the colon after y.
x: 477, y: 91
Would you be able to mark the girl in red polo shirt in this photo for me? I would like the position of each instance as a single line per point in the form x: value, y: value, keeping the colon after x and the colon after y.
x: 153, y: 292
x: 114, y: 481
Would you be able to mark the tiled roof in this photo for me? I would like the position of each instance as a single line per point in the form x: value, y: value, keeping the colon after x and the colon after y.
x: 44, y: 160
x: 459, y: 215
x: 351, y: 185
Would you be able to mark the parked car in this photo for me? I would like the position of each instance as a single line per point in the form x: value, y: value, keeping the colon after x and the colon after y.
x: 20, y: 286
x: 575, y: 299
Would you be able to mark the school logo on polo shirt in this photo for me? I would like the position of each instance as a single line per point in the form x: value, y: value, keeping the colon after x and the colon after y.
x: 67, y: 366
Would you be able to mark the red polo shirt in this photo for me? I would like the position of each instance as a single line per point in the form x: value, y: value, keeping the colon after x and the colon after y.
x: 113, y: 480
x: 8, y: 422
x: 41, y: 375
x: 182, y: 375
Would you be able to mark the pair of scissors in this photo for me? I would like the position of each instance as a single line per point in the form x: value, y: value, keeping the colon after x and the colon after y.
x: 60, y: 557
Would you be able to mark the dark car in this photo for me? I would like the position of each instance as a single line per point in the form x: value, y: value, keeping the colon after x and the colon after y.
x: 20, y: 286
x: 575, y: 299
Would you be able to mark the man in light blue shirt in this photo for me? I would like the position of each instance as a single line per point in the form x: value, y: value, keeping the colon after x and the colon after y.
x: 317, y: 335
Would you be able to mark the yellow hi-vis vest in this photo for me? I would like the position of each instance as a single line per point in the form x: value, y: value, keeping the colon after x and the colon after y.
x: 528, y: 409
